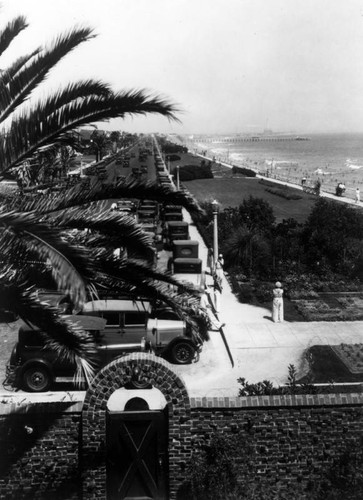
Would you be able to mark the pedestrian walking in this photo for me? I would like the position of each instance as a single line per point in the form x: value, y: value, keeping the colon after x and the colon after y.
x: 278, y: 303
x: 206, y: 303
x: 217, y: 295
x: 210, y: 260
x: 357, y: 195
x: 219, y: 273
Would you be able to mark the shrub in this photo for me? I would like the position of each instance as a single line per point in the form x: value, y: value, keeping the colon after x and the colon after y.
x: 284, y: 194
x: 266, y: 387
x: 263, y: 292
x: 173, y: 157
x: 247, y: 172
x: 191, y: 172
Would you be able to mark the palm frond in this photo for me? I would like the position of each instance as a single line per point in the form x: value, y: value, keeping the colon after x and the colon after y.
x: 135, y: 271
x: 43, y: 126
x: 75, y: 91
x: 12, y: 30
x: 66, y: 338
x: 69, y: 266
x: 117, y: 229
x: 26, y: 80
x: 180, y: 300
x: 9, y: 73
x: 82, y: 194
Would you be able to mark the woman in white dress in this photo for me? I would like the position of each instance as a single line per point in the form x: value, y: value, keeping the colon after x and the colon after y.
x: 278, y: 303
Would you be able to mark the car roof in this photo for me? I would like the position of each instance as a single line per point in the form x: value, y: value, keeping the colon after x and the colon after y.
x: 116, y: 305
x: 53, y: 297
x: 85, y: 322
x: 175, y: 223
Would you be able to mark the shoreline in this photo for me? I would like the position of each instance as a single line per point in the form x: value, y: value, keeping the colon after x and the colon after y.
x: 275, y: 174
x: 281, y: 180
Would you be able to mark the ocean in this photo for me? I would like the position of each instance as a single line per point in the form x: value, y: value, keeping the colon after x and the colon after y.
x: 331, y: 158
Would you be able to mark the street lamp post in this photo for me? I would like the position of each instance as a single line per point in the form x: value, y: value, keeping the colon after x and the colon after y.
x: 215, y: 208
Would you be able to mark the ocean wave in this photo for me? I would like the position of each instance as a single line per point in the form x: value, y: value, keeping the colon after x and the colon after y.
x: 352, y: 164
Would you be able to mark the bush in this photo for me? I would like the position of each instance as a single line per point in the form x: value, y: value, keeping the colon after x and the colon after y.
x: 173, y: 157
x: 284, y: 194
x: 263, y: 292
x: 191, y: 172
x: 247, y: 172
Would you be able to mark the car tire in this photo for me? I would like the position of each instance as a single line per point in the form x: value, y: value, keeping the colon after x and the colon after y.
x: 135, y: 384
x: 182, y: 353
x: 36, y: 379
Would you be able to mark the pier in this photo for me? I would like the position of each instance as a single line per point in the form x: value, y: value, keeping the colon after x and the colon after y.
x: 239, y: 139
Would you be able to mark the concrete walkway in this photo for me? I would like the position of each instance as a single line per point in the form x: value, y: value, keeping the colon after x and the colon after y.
x: 259, y: 348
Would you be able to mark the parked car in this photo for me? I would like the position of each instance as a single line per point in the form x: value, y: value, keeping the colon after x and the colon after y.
x: 176, y: 230
x: 130, y: 321
x: 35, y: 367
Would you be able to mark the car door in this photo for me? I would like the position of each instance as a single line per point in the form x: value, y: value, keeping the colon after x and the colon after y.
x: 113, y: 345
x: 134, y: 326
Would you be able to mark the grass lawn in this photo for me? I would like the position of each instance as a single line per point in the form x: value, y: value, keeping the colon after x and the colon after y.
x: 230, y: 190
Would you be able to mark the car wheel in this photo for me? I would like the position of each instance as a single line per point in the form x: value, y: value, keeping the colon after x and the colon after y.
x: 182, y: 353
x: 136, y: 384
x: 36, y: 379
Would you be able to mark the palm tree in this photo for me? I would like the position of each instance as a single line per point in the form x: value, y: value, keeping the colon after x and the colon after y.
x: 39, y: 229
x: 100, y: 143
x: 115, y: 137
x: 248, y: 248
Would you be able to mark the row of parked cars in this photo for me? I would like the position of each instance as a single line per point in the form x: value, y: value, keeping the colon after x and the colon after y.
x: 118, y: 325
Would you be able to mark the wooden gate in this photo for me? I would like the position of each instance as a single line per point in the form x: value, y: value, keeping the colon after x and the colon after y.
x: 137, y: 459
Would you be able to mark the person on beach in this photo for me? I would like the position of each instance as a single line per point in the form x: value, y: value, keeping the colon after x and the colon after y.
x: 278, y: 303
x: 357, y: 195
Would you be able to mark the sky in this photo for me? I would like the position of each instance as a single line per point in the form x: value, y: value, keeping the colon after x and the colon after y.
x: 232, y: 66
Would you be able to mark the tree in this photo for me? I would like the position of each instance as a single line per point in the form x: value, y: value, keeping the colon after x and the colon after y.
x: 332, y: 236
x: 38, y: 229
x: 100, y: 142
x: 257, y: 213
x: 115, y: 137
x: 249, y: 249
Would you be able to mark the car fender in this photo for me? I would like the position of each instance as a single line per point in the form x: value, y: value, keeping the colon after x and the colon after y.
x: 184, y: 339
x: 36, y: 362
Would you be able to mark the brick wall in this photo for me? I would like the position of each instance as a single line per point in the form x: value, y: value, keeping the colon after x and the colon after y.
x: 57, y: 450
x: 39, y: 455
x: 295, y: 439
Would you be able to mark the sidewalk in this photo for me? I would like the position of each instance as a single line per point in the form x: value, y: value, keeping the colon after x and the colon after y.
x: 261, y: 349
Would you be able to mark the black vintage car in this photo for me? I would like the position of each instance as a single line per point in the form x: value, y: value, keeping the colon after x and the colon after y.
x: 35, y: 367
